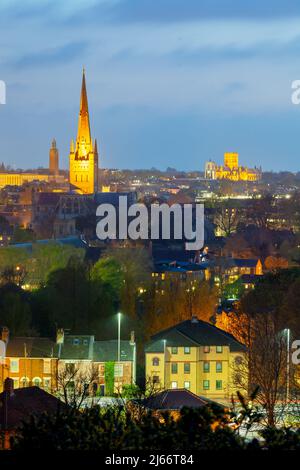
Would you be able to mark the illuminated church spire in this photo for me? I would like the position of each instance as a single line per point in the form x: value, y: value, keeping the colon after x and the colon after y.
x: 84, y: 158
x: 84, y: 131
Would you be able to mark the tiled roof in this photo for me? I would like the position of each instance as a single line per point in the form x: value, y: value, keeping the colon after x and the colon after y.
x: 35, y: 347
x: 244, y: 262
x: 23, y: 402
x: 175, y: 400
x: 193, y: 333
x: 105, y: 351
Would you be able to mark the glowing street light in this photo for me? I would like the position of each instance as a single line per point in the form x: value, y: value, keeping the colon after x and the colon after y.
x: 119, y: 336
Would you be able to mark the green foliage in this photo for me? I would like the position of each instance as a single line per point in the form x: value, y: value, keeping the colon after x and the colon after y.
x: 109, y: 377
x: 23, y: 235
x: 281, y: 439
x: 235, y: 290
x: 130, y: 391
x: 116, y: 429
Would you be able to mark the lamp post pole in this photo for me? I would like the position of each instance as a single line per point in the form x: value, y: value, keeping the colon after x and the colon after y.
x: 165, y: 343
x: 287, y: 363
x: 119, y: 337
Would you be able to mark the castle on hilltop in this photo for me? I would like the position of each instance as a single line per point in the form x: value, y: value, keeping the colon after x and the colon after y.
x: 231, y: 170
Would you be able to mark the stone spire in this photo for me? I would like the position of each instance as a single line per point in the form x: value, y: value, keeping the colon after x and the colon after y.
x: 84, y: 132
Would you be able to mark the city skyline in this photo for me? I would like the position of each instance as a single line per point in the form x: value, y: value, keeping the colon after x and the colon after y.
x: 171, y: 86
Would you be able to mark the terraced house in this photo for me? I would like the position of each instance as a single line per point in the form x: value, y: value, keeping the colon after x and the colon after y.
x: 197, y: 356
x: 40, y: 361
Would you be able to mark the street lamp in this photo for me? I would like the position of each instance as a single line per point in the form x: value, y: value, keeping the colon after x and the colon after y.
x: 119, y: 337
x: 165, y: 344
x: 287, y: 331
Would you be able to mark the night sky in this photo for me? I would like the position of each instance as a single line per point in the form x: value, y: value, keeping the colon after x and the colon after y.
x: 170, y: 82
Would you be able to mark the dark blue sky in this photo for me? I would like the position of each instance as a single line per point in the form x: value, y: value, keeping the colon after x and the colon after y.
x: 170, y: 82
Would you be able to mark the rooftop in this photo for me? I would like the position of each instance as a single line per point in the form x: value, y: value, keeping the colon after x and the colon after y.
x: 193, y: 333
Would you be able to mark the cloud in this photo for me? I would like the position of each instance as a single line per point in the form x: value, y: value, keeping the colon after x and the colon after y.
x: 53, y: 56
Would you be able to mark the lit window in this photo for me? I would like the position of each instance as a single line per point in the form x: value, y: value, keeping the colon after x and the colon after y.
x: 173, y: 384
x: 174, y: 350
x: 36, y: 382
x: 47, y: 366
x: 155, y: 361
x: 219, y: 349
x: 218, y: 366
x: 187, y: 367
x: 118, y: 370
x: 187, y: 385
x: 206, y: 366
x: 187, y: 350
x: 206, y: 349
x: 219, y: 384
x: 47, y: 383
x: 174, y: 367
x: 206, y: 384
x: 14, y: 365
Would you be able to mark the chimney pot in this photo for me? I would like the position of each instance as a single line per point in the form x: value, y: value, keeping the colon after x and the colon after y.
x: 9, y: 386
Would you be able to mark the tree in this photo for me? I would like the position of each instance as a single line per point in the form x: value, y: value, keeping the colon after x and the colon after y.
x: 226, y: 218
x: 15, y: 312
x: 75, y: 383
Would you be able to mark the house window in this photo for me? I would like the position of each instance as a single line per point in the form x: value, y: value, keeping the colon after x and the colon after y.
x: 174, y: 350
x: 36, y: 382
x: 47, y: 383
x: 219, y: 384
x: 24, y: 382
x: 187, y: 368
x: 118, y: 370
x: 219, y: 349
x: 218, y: 366
x: 173, y: 384
x: 206, y: 366
x: 76, y: 341
x: 206, y: 384
x: 187, y: 350
x: 174, y: 367
x: 16, y: 382
x: 187, y: 385
x: 155, y: 361
x: 47, y: 366
x: 14, y: 365
x: 206, y: 349
x: 155, y: 379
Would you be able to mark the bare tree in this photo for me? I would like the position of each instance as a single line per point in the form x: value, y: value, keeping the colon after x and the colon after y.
x: 75, y: 383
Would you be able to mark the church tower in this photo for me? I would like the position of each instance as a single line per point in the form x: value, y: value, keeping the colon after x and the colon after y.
x: 53, y: 159
x: 84, y: 153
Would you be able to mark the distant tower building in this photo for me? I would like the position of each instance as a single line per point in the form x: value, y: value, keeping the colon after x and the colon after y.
x: 53, y: 159
x: 231, y: 160
x: 84, y: 153
x: 210, y: 170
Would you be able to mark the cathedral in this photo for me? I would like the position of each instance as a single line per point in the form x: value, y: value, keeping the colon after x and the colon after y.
x: 84, y: 153
x: 231, y: 170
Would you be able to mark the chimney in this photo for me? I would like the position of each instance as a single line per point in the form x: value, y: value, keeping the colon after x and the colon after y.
x: 4, y: 334
x: 9, y: 386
